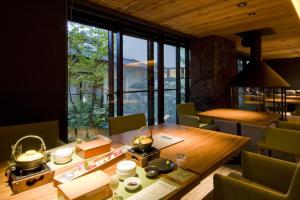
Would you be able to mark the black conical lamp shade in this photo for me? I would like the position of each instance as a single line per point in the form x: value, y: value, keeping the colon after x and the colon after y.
x: 258, y: 74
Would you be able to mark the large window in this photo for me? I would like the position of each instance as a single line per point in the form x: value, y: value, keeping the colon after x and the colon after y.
x: 182, y: 75
x: 170, y: 83
x: 87, y: 77
x: 112, y: 73
x: 134, y: 75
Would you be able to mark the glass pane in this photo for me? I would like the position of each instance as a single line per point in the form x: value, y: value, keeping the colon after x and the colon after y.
x: 134, y: 64
x: 135, y: 75
x: 155, y: 66
x: 170, y: 106
x: 88, y: 77
x: 170, y: 83
x: 135, y: 102
x: 182, y: 75
x: 169, y: 67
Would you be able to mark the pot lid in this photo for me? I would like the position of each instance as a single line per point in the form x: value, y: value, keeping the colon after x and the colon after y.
x: 30, y: 156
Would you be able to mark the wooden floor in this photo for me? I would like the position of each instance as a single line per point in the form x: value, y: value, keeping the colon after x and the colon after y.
x: 206, y: 186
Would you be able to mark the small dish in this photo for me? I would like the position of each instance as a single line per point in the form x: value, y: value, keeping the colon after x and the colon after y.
x: 164, y: 165
x: 151, y: 171
x: 125, y: 169
x: 132, y: 183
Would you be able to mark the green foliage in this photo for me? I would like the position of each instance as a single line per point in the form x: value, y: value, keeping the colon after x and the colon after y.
x: 87, y: 72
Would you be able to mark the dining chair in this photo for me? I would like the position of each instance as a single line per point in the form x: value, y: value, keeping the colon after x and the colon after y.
x: 187, y: 115
x: 282, y: 140
x: 125, y: 123
x: 47, y: 130
x: 288, y: 125
x: 263, y: 178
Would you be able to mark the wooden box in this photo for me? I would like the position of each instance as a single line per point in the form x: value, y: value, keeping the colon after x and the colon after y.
x: 90, y: 187
x: 140, y: 160
x: 92, y: 148
x: 30, y: 182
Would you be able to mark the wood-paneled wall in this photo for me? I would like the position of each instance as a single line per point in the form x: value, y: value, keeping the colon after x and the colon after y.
x: 33, y: 62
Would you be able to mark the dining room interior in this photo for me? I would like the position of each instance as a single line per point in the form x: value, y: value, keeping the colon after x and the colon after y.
x: 150, y: 99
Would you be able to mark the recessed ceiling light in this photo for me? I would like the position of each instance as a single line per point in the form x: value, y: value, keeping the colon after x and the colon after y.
x: 242, y: 4
x: 252, y: 14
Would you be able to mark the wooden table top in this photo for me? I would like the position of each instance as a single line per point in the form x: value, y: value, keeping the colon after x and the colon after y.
x: 289, y: 101
x: 206, y: 150
x: 241, y: 116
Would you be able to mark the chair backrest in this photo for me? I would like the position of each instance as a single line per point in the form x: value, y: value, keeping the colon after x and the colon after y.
x: 284, y: 140
x: 288, y: 125
x: 126, y: 123
x: 9, y: 135
x: 186, y: 109
x: 294, y: 190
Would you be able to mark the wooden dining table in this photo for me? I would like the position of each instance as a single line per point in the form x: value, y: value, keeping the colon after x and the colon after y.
x: 241, y: 117
x: 205, y: 150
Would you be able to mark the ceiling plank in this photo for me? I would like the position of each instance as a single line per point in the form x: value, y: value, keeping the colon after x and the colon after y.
x: 223, y: 18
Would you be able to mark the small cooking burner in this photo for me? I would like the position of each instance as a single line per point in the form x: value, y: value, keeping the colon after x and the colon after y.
x: 142, y: 157
x: 145, y: 152
x: 17, y: 173
x: 21, y: 180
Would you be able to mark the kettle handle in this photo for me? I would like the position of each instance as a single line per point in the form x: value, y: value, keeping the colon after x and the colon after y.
x: 43, y: 145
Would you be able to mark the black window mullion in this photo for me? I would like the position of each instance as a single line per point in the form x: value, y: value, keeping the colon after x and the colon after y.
x: 150, y: 68
x: 119, y: 73
x: 110, y: 73
x: 178, y: 97
x: 160, y: 77
x: 187, y: 73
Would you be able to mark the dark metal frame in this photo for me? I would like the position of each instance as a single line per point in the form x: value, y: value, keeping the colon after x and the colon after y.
x: 118, y: 25
x: 160, y: 84
x: 178, y: 95
x: 150, y: 68
x: 119, y: 73
x: 187, y: 72
x: 111, y: 73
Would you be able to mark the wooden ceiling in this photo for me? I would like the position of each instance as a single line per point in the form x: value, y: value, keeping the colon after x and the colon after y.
x: 222, y: 17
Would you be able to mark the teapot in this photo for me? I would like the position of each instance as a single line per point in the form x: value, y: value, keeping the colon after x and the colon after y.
x: 143, y: 142
x: 31, y: 159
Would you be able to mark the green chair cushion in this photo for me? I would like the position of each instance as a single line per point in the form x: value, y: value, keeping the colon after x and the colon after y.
x: 283, y: 140
x: 288, y: 125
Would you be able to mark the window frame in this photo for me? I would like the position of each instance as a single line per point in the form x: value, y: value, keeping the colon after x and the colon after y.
x: 90, y: 16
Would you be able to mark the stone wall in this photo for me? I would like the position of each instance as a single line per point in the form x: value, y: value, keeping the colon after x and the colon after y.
x: 212, y: 68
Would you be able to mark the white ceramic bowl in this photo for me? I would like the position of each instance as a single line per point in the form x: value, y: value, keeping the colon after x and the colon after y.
x: 62, y: 156
x: 126, y: 168
x: 132, y: 183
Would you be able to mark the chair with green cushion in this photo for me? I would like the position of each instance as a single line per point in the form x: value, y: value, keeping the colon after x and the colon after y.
x: 263, y: 178
x: 187, y: 115
x: 289, y: 125
x: 282, y: 140
x: 122, y: 124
